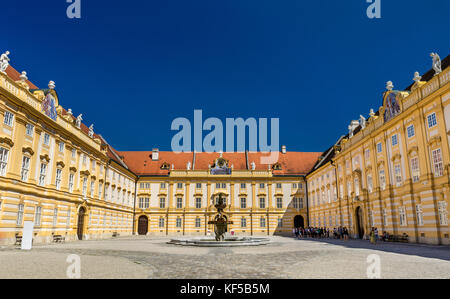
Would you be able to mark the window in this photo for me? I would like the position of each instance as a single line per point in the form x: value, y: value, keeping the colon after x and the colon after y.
x: 398, y: 174
x: 262, y: 222
x: 42, y: 174
x: 198, y: 222
x: 410, y: 131
x: 243, y: 186
x: 402, y: 216
x: 294, y: 186
x: 198, y: 185
x: 280, y: 222
x: 385, y: 217
x: 29, y: 130
x: 93, y: 164
x: 84, y: 190
x: 243, y: 203
x: 61, y: 147
x: 84, y: 163
x: 356, y: 186
x: 46, y: 139
x: 243, y: 222
x: 367, y: 154
x: 179, y: 203
x: 437, y: 162
x: 419, y: 215
x: 3, y: 160
x: 443, y: 214
x: 369, y: 183
x: 100, y: 188
x: 162, y: 186
x: 37, y: 216
x: 278, y: 185
x: 55, y: 217
x: 58, y: 178
x: 141, y: 186
x: 382, y: 179
x: 9, y: 117
x: 71, y: 177
x: 162, y: 202
x: 262, y: 203
x: 279, y: 203
x: 179, y: 185
x: 379, y: 147
x: 161, y: 222
x: 431, y: 120
x: 20, y: 215
x: 74, y: 153
x: 92, y: 188
x: 198, y: 202
x: 143, y: 202
x: 261, y: 185
x: 415, y: 171
x: 394, y: 140
x: 178, y: 223
x: 25, y: 168
x: 349, y: 189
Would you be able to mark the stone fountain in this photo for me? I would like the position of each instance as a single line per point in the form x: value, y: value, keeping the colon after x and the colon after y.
x: 221, y: 223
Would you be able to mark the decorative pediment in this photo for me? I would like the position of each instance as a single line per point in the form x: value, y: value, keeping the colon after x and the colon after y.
x: 93, y: 177
x: 165, y: 166
x: 391, y: 105
x: 44, y: 158
x: 413, y: 150
x: 434, y: 140
x: 396, y: 157
x: 100, y: 180
x: 60, y: 164
x: 73, y: 169
x: 28, y: 150
x: 220, y: 166
x: 380, y: 163
x: 6, y: 140
x: 49, y: 104
x: 276, y: 166
x: 85, y: 173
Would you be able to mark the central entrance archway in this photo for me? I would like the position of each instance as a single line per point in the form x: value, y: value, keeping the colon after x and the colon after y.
x: 80, y: 225
x: 359, y: 222
x: 299, y: 221
x: 142, y: 225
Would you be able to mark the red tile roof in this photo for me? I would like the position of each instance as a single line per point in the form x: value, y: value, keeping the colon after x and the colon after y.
x: 141, y: 163
x: 15, y: 75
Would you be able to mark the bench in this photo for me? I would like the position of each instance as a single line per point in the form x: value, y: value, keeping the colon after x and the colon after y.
x: 398, y: 238
x: 59, y: 239
x: 115, y: 234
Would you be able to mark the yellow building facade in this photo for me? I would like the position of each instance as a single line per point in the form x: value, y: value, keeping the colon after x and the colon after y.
x: 391, y: 171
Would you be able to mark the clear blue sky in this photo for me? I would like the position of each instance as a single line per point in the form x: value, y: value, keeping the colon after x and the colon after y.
x: 131, y: 67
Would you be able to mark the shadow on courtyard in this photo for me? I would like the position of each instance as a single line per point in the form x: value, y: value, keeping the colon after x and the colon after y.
x: 423, y: 250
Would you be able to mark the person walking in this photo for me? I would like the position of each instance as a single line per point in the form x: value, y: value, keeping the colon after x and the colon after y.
x: 373, y: 239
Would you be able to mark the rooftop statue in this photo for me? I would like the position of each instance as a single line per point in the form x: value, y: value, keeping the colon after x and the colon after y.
x: 4, y: 62
x: 78, y: 121
x: 436, y: 63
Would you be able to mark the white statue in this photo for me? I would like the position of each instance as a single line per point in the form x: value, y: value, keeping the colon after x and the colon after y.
x: 371, y: 113
x: 69, y: 112
x: 173, y: 167
x: 91, y: 130
x: 188, y: 166
x: 78, y: 121
x: 4, y: 62
x: 436, y: 63
x: 253, y: 165
x: 389, y: 85
x: 417, y: 77
x: 362, y: 121
x: 23, y: 76
x: 51, y: 85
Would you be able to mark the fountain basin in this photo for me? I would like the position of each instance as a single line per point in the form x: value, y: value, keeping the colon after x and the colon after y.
x: 230, y: 241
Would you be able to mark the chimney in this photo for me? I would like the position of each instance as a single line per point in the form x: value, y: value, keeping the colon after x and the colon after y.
x: 155, y: 154
x: 283, y: 149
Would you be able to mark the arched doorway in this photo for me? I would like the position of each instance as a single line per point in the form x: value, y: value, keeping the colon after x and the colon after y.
x: 80, y: 226
x: 299, y: 221
x: 142, y: 225
x: 359, y: 222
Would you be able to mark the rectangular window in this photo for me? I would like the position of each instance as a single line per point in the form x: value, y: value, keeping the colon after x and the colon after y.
x: 55, y: 217
x: 379, y: 147
x: 84, y: 159
x: 280, y: 222
x: 37, y: 216
x: 74, y: 153
x: 143, y: 203
x: 385, y: 217
x: 71, y: 177
x: 402, y: 216
x: 431, y: 120
x: 279, y: 203
x: 437, y: 162
x: 58, y: 178
x: 25, y: 168
x: 3, y: 160
x: 294, y: 186
x: 9, y: 117
x: 415, y: 171
x: 382, y: 180
x: 262, y: 203
x: 394, y: 139
x: 199, y: 185
x: 262, y: 222
x: 398, y: 174
x: 84, y: 190
x: 162, y: 186
x: 178, y: 224
x: 161, y: 222
x: 179, y: 203
x: 261, y: 185
x: 419, y: 215
x: 61, y: 147
x: 410, y: 131
x: 162, y: 202
x: 367, y: 154
x: 369, y: 183
x: 180, y: 185
x: 20, y: 215
x: 42, y: 174
x: 243, y: 203
x: 243, y: 222
x: 100, y: 189
x: 198, y: 203
x: 278, y: 186
x: 243, y: 186
x: 92, y: 188
x: 46, y: 139
x: 29, y: 130
x: 443, y: 213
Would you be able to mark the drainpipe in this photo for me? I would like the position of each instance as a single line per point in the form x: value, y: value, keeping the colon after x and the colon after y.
x: 307, y: 201
x: 134, y: 203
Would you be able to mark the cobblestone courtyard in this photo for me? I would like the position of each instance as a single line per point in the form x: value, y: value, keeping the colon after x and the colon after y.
x: 151, y: 257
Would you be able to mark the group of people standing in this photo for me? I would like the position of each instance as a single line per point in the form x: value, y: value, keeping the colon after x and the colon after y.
x: 340, y: 232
